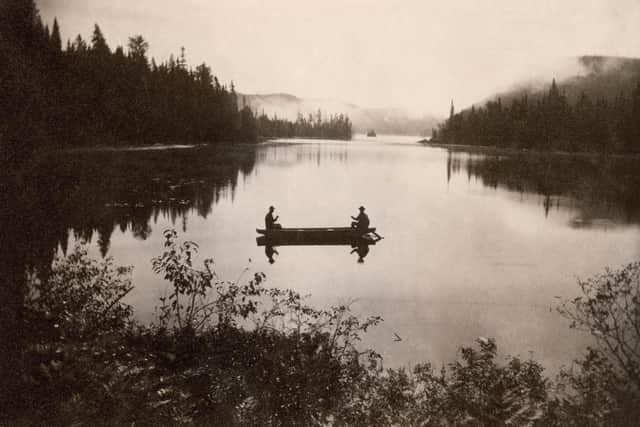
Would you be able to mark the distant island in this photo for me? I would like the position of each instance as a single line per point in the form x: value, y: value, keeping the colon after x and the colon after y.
x: 371, y: 133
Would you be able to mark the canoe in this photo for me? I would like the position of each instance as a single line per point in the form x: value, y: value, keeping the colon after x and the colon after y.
x: 317, y: 236
x: 312, y: 230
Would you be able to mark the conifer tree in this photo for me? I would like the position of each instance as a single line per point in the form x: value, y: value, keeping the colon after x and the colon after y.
x: 55, y: 40
x: 99, y: 43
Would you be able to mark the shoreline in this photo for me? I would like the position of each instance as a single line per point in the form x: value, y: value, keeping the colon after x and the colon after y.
x: 170, y: 145
x: 488, y: 149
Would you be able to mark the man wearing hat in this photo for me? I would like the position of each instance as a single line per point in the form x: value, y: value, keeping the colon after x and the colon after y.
x: 361, y: 221
x: 270, y: 221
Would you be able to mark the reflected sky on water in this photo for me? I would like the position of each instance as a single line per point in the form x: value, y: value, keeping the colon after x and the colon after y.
x: 474, y: 244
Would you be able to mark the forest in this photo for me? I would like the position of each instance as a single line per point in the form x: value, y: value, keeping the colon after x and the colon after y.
x: 84, y: 93
x: 550, y: 123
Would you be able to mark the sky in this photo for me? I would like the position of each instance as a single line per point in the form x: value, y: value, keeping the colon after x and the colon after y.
x: 412, y: 54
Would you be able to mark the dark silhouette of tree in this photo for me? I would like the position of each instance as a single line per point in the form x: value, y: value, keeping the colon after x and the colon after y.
x: 99, y: 43
x: 550, y: 123
x: 24, y: 48
x: 248, y: 125
x: 633, y: 140
x: 89, y: 94
x: 138, y: 47
x: 55, y: 40
x: 334, y: 127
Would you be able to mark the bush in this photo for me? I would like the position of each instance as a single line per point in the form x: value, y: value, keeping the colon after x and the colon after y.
x: 77, y: 327
x: 254, y: 355
x: 239, y: 353
x: 474, y: 391
x: 603, y: 388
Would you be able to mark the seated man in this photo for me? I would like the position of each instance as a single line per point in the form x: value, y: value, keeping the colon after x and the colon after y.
x: 361, y: 222
x: 270, y: 221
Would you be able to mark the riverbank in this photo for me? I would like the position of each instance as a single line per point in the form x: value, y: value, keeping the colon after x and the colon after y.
x: 492, y: 150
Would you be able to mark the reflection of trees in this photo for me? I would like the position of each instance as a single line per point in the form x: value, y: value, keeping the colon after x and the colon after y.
x: 453, y: 165
x: 293, y: 154
x: 600, y: 187
x: 97, y: 192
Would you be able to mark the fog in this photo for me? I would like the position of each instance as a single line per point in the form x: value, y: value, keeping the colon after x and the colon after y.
x: 416, y: 55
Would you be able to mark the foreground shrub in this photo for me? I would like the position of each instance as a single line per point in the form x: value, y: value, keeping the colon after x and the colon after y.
x: 240, y: 353
x: 77, y: 328
x: 256, y: 355
x: 472, y: 391
x: 237, y: 353
x: 603, y: 387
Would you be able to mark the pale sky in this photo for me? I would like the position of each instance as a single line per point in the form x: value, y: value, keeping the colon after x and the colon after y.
x: 414, y: 54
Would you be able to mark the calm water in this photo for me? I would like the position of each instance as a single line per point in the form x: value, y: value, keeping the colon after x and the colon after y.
x: 474, y: 244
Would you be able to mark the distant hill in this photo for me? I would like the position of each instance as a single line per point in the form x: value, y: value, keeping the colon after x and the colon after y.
x: 598, y: 76
x: 382, y: 120
x: 554, y: 116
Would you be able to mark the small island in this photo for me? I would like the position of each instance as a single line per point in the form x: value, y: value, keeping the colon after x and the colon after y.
x: 371, y: 133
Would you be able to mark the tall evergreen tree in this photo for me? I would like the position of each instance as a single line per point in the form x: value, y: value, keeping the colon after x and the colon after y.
x: 55, y: 40
x: 99, y: 43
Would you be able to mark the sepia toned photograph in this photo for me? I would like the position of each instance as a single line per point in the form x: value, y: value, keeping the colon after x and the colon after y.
x: 319, y: 213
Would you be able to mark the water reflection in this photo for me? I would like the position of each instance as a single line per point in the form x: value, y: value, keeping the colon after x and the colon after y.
x: 603, y: 191
x: 270, y: 251
x: 289, y: 154
x: 362, y: 249
x: 91, y: 194
x: 452, y: 239
x: 358, y: 246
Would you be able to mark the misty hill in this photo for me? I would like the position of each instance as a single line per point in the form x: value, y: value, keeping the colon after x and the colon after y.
x: 595, y: 110
x: 382, y: 120
x: 600, y: 77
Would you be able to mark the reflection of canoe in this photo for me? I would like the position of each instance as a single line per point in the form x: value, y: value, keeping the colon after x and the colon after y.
x: 317, y: 236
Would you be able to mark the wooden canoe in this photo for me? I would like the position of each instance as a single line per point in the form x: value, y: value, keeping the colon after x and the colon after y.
x: 317, y: 236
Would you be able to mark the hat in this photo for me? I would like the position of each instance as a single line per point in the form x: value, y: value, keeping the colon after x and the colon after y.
x: 361, y: 208
x: 271, y: 208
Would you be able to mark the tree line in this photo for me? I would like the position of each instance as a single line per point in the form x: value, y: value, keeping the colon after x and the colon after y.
x: 550, y: 123
x: 86, y: 93
x: 336, y: 126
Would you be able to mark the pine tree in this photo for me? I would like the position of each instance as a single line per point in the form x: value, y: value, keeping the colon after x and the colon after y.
x: 99, y: 43
x: 79, y: 45
x: 55, y: 41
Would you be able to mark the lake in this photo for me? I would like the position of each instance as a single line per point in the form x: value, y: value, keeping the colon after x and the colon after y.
x: 475, y: 243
